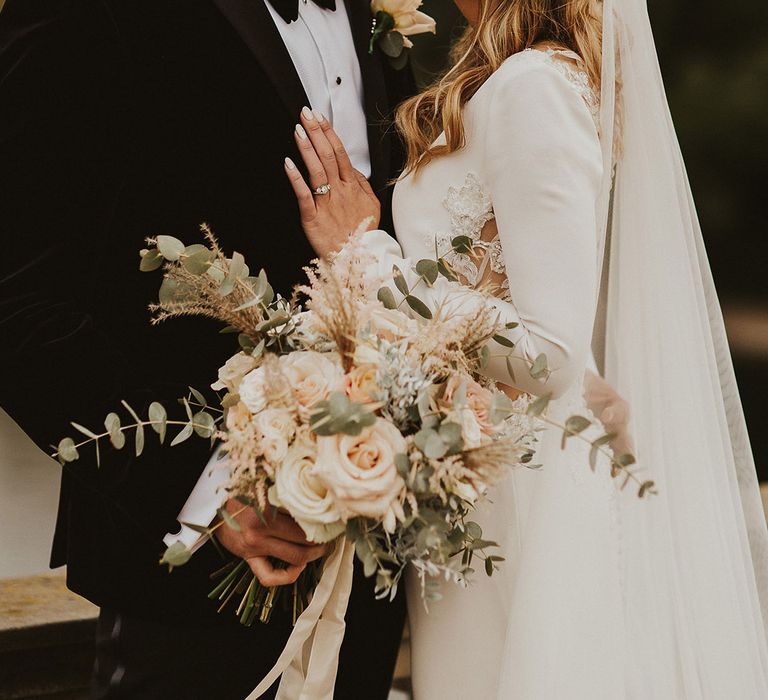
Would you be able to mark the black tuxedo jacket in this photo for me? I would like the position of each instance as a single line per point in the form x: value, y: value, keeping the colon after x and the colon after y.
x: 120, y: 120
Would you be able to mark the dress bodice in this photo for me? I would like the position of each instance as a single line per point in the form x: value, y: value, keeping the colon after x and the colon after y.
x: 425, y: 222
x: 524, y: 189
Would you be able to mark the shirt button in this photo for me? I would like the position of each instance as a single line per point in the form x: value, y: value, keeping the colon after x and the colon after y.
x: 338, y: 80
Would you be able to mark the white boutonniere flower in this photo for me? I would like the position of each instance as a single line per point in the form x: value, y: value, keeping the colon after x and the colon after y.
x: 393, y: 22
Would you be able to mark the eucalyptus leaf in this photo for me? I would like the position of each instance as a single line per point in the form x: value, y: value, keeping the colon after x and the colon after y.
x: 510, y: 369
x: 403, y: 464
x: 205, y: 425
x: 67, y: 451
x: 159, y: 419
x: 82, y: 429
x: 435, y: 447
x: 501, y: 340
x: 427, y: 269
x: 229, y: 521
x: 387, y: 298
x: 577, y: 424
x: 198, y: 397
x: 399, y: 279
x: 445, y: 270
x: 116, y: 435
x: 401, y: 61
x: 184, y: 434
x: 249, y: 304
x: 176, y: 555
x: 537, y: 407
x: 462, y: 244
x: 236, y: 270
x: 418, y: 306
x: 539, y: 367
x: 392, y: 44
x: 150, y: 260
x: 197, y: 258
x: 170, y: 248
x: 139, y: 441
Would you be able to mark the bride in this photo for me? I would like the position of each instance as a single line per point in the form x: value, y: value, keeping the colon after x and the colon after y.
x: 549, y: 144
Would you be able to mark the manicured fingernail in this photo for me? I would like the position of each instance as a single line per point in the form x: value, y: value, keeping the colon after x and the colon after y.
x: 290, y: 164
x: 307, y: 112
x: 318, y: 115
x: 300, y: 131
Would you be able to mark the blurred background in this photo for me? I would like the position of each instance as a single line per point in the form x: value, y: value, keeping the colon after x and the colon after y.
x: 714, y: 58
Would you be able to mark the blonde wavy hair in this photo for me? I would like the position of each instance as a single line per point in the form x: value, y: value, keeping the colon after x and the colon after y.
x: 504, y: 28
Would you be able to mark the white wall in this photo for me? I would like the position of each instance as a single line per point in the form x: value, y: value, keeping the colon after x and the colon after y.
x: 29, y: 488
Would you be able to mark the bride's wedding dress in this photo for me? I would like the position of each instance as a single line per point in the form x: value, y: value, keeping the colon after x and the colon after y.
x: 601, y: 596
x: 525, y: 189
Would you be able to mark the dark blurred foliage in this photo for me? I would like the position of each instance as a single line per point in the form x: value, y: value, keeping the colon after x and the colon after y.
x: 714, y: 58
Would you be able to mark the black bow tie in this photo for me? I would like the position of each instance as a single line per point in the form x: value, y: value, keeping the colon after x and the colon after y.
x: 289, y: 9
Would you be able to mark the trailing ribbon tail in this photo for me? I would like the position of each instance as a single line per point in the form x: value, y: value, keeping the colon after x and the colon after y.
x: 310, y: 659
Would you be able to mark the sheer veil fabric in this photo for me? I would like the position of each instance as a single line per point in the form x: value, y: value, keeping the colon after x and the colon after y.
x: 695, y: 557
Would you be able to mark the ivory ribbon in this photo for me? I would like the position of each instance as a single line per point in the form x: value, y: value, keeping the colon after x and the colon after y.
x: 310, y: 659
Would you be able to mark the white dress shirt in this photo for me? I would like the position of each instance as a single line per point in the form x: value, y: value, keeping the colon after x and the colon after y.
x: 323, y: 52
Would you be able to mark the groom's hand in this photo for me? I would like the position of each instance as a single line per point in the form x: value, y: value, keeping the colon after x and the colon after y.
x: 280, y: 538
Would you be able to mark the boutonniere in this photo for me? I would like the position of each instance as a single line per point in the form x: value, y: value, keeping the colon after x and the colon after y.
x: 393, y: 22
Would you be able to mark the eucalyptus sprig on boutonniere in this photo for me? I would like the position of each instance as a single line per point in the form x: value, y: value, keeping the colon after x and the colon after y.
x: 393, y: 22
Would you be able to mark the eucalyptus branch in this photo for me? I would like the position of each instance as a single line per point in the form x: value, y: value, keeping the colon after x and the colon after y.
x: 574, y: 427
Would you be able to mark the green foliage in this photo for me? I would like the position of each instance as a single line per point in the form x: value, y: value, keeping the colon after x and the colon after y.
x: 340, y: 415
x: 176, y: 555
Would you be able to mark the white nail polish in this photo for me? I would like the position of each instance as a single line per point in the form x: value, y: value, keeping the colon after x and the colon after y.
x: 290, y: 164
x: 307, y: 112
x: 300, y: 131
x: 318, y: 115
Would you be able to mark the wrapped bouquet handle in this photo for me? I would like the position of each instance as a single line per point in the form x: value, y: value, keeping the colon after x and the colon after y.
x: 310, y: 659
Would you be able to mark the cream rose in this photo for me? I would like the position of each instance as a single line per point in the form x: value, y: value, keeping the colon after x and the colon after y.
x: 360, y: 471
x: 478, y: 399
x: 252, y: 390
x: 360, y: 384
x: 408, y: 19
x: 470, y: 428
x: 303, y: 494
x: 233, y: 371
x: 389, y: 324
x: 311, y: 376
x: 276, y: 422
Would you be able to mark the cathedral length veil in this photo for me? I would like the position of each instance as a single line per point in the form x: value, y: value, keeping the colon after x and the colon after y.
x: 695, y: 557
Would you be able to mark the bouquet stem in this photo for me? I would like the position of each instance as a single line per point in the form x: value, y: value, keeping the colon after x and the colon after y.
x: 257, y: 602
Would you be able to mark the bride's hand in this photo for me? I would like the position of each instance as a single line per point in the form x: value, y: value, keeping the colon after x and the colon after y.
x: 329, y: 218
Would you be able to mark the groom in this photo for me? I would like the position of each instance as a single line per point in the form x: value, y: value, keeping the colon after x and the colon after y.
x: 121, y: 120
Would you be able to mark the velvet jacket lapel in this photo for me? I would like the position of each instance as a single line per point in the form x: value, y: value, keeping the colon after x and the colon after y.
x: 377, y: 107
x: 254, y: 25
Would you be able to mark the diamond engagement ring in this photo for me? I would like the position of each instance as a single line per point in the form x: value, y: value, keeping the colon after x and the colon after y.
x: 323, y: 189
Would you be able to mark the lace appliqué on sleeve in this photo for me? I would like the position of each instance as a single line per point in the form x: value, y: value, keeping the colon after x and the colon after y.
x: 470, y: 209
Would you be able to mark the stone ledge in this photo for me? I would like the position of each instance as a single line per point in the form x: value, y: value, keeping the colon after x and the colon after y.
x: 46, y: 639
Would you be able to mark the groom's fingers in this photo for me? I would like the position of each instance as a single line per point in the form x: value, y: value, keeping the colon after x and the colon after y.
x: 290, y: 553
x: 284, y: 527
x: 269, y: 576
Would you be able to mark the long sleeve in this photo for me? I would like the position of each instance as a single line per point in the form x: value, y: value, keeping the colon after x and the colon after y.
x: 541, y: 163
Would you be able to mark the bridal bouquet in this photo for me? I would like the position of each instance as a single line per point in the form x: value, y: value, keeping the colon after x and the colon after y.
x: 361, y: 417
